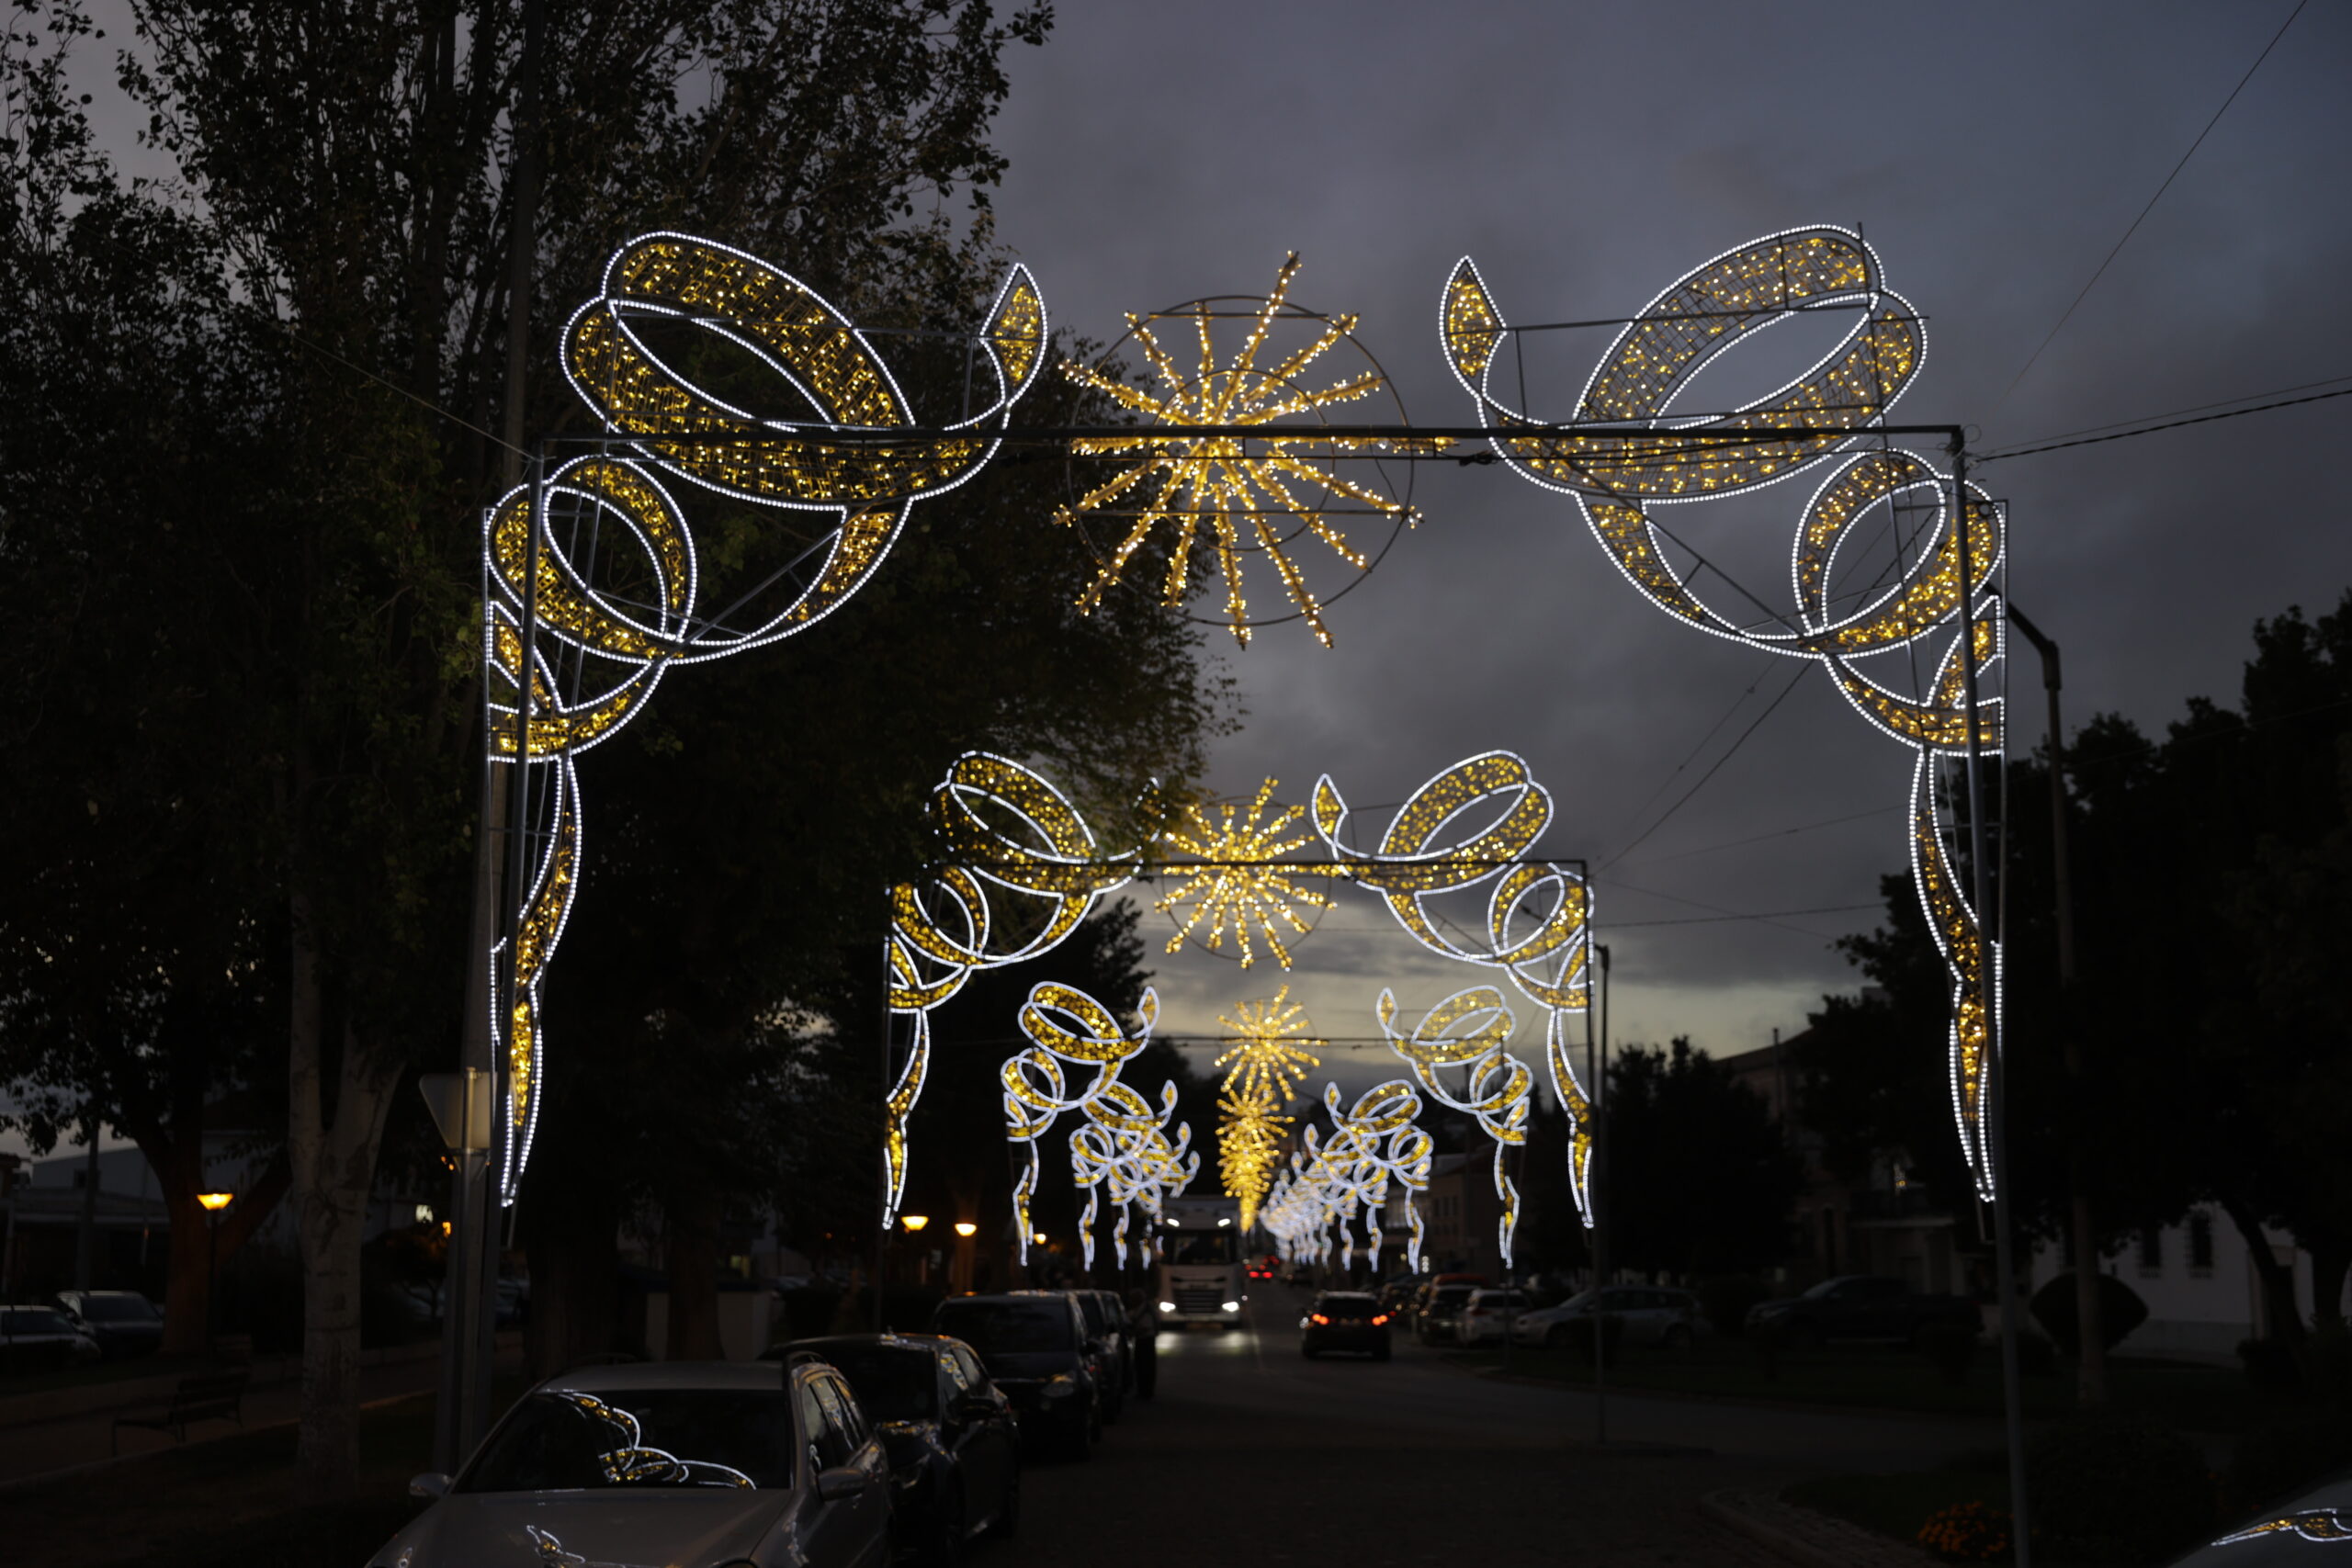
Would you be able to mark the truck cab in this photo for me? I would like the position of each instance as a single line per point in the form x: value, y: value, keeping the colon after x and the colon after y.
x: 1201, y: 1263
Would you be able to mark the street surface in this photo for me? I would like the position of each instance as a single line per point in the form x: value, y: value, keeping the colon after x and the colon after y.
x: 1253, y: 1454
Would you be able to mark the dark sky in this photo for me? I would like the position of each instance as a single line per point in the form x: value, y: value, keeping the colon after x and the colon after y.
x: 1587, y: 155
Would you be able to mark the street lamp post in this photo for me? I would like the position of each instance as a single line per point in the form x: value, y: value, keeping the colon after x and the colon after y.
x: 461, y: 1103
x: 212, y: 1203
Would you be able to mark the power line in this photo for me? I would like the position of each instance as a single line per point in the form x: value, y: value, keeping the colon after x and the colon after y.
x: 2035, y: 357
x: 1713, y: 769
x: 2167, y: 413
x: 1767, y: 919
x: 2169, y: 425
x: 1776, y: 834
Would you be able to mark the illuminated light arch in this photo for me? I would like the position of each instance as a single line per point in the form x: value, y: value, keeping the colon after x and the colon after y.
x: 1071, y: 1035
x: 1270, y: 1056
x: 1471, y: 1030
x: 621, y: 644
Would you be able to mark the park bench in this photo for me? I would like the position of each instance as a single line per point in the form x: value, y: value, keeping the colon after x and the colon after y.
x: 202, y: 1397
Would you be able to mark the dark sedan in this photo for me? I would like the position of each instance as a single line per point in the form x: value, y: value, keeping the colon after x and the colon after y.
x: 1344, y: 1320
x: 954, y: 1443
x: 124, y: 1323
x: 1034, y: 1347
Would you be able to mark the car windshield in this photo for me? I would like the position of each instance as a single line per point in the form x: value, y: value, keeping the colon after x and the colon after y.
x: 22, y: 1321
x: 1351, y: 1308
x: 1201, y: 1247
x: 893, y: 1382
x: 997, y: 1327
x: 561, y: 1440
x: 118, y: 1309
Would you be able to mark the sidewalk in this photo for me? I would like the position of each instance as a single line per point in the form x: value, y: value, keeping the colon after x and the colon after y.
x: 44, y: 1447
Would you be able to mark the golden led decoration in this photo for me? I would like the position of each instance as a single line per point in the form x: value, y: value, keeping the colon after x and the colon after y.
x: 1944, y: 567
x: 1238, y: 881
x: 593, y: 585
x: 1270, y: 1057
x: 1471, y: 1030
x: 1242, y: 487
x: 1070, y: 1034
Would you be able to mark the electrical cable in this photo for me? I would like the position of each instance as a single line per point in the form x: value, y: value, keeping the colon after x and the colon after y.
x: 2169, y: 425
x: 2035, y: 357
x: 1802, y: 670
x: 1776, y: 834
x: 1991, y: 451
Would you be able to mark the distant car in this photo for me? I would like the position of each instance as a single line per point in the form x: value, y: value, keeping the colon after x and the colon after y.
x: 1485, y: 1314
x: 665, y: 1462
x: 1442, y: 1305
x: 1860, y: 1306
x: 953, y: 1440
x: 1344, y: 1320
x: 41, y: 1339
x: 1034, y: 1346
x: 1650, y: 1316
x: 1265, y: 1267
x: 124, y: 1323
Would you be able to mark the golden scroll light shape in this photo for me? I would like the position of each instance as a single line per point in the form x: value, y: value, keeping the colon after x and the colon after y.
x: 1067, y: 1030
x: 625, y: 607
x: 1538, y: 914
x: 1374, y: 1142
x: 1270, y: 1057
x: 1122, y: 1153
x: 1021, y: 869
x: 1238, y: 878
x: 1242, y: 487
x: 1471, y: 1030
x: 1941, y: 570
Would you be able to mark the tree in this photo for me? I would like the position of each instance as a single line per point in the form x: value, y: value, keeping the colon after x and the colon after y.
x: 1700, y: 1179
x: 351, y: 179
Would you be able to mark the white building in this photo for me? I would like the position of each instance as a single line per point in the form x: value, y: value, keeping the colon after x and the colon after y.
x: 2199, y: 1283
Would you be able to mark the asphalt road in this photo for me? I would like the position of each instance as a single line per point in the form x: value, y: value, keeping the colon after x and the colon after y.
x: 1252, y: 1454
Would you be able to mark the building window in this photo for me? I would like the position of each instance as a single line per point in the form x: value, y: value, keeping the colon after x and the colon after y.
x: 2152, y: 1253
x: 2200, y: 1245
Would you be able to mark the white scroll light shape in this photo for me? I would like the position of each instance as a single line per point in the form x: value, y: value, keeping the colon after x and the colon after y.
x: 1037, y: 1085
x: 1471, y: 1030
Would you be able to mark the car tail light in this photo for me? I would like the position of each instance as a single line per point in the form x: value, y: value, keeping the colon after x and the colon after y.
x: 1379, y: 1318
x: 1319, y: 1317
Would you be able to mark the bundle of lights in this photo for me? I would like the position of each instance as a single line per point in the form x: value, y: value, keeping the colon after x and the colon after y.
x: 1124, y: 1153
x: 1238, y: 879
x: 1947, y: 568
x: 582, y: 622
x: 1268, y: 1059
x: 1471, y: 1030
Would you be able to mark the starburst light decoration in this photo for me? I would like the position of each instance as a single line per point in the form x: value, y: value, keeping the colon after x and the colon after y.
x: 1270, y: 1057
x: 1471, y: 1030
x: 1238, y: 879
x: 1948, y: 539
x: 594, y: 589
x: 1257, y: 494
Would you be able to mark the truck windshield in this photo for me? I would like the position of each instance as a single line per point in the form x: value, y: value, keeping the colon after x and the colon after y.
x: 1201, y: 1247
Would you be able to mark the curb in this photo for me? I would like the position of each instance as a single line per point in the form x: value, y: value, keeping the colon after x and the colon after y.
x: 72, y: 1472
x: 92, y: 1399
x: 1804, y: 1537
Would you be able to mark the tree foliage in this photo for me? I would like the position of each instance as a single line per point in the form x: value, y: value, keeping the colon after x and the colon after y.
x: 1700, y: 1179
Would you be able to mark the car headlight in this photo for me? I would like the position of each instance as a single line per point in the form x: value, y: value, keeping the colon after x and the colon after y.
x: 1232, y: 1306
x: 1168, y: 1306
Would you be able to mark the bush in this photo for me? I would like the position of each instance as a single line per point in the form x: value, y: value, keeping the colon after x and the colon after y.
x: 2270, y: 1364
x: 1949, y: 1346
x: 2120, y: 1311
x: 2272, y: 1465
x: 2117, y: 1492
x: 1579, y: 1334
x: 1726, y: 1299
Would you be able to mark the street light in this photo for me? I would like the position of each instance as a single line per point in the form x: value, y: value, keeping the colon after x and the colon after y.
x: 914, y: 1221
x: 213, y: 1204
x: 966, y: 1229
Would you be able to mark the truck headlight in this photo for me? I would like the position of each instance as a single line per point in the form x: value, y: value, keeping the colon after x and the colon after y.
x: 1168, y: 1306
x: 1232, y: 1306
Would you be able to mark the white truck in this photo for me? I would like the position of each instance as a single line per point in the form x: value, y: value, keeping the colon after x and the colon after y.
x: 1201, y: 1262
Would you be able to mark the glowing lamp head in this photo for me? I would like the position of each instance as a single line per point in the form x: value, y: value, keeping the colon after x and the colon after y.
x: 967, y: 1228
x: 1038, y: 1240
x: 215, y: 1202
x: 914, y: 1221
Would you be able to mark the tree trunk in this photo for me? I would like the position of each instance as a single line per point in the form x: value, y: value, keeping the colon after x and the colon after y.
x: 692, y: 1225
x: 2281, y: 1320
x: 2331, y: 1261
x: 575, y: 1262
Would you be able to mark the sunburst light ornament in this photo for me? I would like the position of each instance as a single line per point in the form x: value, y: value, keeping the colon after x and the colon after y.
x: 1239, y: 879
x: 1257, y: 493
x: 1268, y: 1060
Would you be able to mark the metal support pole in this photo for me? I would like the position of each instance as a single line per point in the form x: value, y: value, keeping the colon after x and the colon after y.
x: 1599, y: 1184
x: 2005, y: 1259
x: 2091, y: 1360
x: 882, y: 1198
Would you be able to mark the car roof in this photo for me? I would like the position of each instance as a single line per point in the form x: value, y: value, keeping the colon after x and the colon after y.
x: 898, y: 1341
x: 626, y: 1376
x: 1020, y: 1298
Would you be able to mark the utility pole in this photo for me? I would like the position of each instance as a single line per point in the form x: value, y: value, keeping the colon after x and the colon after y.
x: 1996, y: 1150
x: 1598, y: 1180
x: 2090, y: 1365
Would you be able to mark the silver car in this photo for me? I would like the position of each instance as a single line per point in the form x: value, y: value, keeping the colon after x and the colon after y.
x: 665, y: 1463
x: 1651, y: 1316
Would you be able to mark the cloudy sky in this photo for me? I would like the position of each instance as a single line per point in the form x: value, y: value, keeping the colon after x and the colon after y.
x: 1586, y: 155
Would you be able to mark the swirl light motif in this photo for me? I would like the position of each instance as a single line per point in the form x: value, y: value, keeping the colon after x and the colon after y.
x: 1946, y: 572
x: 1124, y: 1153
x: 1372, y: 1142
x: 1270, y: 1057
x: 999, y: 827
x: 1076, y: 1047
x: 1537, y: 918
x: 1471, y: 1028
x: 2326, y: 1526
x: 592, y: 582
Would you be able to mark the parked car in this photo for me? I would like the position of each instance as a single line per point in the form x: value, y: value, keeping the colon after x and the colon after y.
x: 124, y: 1323
x: 1860, y: 1306
x: 2276, y: 1537
x: 1443, y: 1304
x: 1033, y: 1343
x: 1486, y: 1315
x: 665, y: 1462
x: 1112, y: 1343
x: 953, y: 1440
x: 41, y: 1339
x: 1651, y: 1316
x: 1344, y: 1320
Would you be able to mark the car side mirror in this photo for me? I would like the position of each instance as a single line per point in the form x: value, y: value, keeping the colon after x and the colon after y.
x: 844, y: 1480
x: 429, y: 1485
